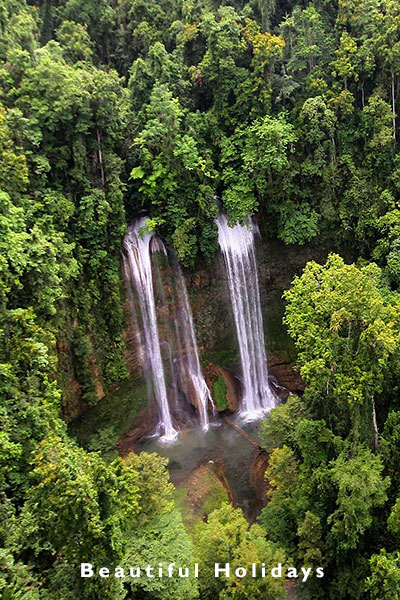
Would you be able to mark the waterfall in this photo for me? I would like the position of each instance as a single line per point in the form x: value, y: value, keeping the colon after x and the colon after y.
x: 193, y: 369
x: 237, y: 246
x: 174, y: 320
x: 139, y: 264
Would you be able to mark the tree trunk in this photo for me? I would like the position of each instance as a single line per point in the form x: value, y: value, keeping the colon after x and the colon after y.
x: 393, y: 110
x: 376, y: 433
x: 100, y: 157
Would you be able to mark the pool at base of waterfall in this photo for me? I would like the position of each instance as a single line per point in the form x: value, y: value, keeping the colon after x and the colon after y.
x: 237, y: 462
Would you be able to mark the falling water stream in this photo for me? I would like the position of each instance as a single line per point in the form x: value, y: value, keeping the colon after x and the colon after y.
x: 191, y: 354
x: 139, y: 263
x: 237, y: 246
x: 179, y: 335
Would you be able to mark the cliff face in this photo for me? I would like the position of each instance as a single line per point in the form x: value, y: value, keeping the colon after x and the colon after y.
x: 208, y: 291
x: 210, y: 302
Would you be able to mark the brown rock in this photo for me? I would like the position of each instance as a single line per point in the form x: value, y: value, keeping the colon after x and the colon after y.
x: 257, y: 480
x: 232, y: 384
x: 285, y: 374
x: 143, y: 425
x: 96, y: 375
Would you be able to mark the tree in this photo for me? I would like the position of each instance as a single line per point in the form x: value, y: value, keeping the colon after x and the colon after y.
x: 346, y: 334
x: 227, y: 538
x: 73, y: 505
x: 361, y: 489
x: 162, y: 540
x: 307, y: 40
x: 287, y: 503
x: 279, y: 428
x: 266, y: 50
x: 387, y: 43
x: 345, y: 63
x: 250, y: 158
x: 75, y: 41
x: 175, y: 179
x: 384, y: 581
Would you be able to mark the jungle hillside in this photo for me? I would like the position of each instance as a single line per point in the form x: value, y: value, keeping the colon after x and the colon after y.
x: 222, y: 177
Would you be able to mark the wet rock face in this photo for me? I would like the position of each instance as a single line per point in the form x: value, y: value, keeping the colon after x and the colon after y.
x: 258, y: 483
x: 209, y: 299
x: 213, y: 321
x: 224, y: 386
x: 285, y: 374
x: 143, y: 426
x: 72, y: 405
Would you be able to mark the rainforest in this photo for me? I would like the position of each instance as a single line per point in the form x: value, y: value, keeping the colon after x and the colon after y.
x: 200, y: 298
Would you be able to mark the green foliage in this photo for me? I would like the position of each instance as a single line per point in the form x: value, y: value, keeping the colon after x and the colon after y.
x: 394, y: 520
x: 227, y: 537
x: 327, y: 491
x: 153, y: 481
x: 288, y: 110
x: 360, y: 489
x: 16, y: 581
x: 285, y: 499
x: 299, y: 224
x: 310, y: 541
x: 161, y: 541
x: 279, y: 428
x: 384, y: 581
x: 175, y: 179
x: 72, y: 507
x: 389, y: 446
x: 75, y: 41
x: 219, y: 390
x: 346, y: 334
x: 250, y: 158
x: 27, y: 382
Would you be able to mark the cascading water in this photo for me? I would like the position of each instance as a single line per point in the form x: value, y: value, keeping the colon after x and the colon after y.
x: 139, y: 267
x: 177, y: 323
x: 237, y: 246
x: 191, y: 356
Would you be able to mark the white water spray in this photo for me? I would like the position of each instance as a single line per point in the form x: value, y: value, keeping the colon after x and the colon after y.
x: 237, y: 246
x: 192, y: 361
x: 139, y: 263
x: 186, y: 375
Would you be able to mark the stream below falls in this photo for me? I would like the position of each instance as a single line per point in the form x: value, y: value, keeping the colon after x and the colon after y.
x: 234, y: 459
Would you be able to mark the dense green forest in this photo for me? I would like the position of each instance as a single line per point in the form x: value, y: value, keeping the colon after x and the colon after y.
x: 286, y: 111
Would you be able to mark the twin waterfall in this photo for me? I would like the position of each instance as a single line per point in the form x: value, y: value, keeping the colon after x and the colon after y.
x: 140, y: 272
x: 237, y: 246
x: 179, y: 337
x: 165, y: 341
